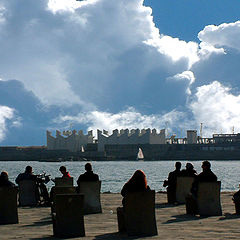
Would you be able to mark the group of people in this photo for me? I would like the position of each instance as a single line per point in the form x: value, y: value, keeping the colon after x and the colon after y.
x: 205, y: 176
x: 136, y: 183
x: 42, y: 179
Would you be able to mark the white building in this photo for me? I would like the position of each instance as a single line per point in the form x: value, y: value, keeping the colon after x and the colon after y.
x: 70, y: 140
x: 135, y: 136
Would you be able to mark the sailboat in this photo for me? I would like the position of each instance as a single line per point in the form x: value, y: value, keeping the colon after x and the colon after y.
x: 140, y: 156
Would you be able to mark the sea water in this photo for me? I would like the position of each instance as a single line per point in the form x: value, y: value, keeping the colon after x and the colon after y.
x: 114, y: 174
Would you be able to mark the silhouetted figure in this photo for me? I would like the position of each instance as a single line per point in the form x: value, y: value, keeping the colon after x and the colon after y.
x: 205, y: 176
x: 64, y: 172
x: 189, y: 171
x: 171, y: 183
x: 88, y: 176
x: 27, y: 175
x: 137, y: 183
x: 39, y: 180
x: 4, y: 181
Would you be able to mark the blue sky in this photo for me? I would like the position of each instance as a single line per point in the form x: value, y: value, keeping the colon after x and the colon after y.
x: 103, y: 64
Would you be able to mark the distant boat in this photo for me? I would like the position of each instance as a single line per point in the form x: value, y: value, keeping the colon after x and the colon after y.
x: 82, y: 149
x: 140, y: 156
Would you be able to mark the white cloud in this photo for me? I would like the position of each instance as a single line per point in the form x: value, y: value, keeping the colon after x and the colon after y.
x: 217, y: 108
x: 6, y: 113
x: 226, y: 34
x: 70, y: 52
x: 184, y: 76
x: 129, y: 118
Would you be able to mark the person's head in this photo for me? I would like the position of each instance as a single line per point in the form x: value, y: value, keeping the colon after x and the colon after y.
x: 63, y: 169
x: 88, y: 167
x: 139, y: 178
x: 178, y: 165
x: 206, y: 165
x: 28, y: 169
x: 189, y: 166
x: 4, y: 175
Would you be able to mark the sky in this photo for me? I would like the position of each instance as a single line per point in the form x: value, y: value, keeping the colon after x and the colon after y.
x: 103, y: 64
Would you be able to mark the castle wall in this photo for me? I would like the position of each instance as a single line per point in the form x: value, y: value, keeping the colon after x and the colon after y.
x: 73, y: 141
x: 135, y: 136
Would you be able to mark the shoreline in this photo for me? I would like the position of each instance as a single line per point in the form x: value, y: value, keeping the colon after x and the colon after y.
x: 172, y: 222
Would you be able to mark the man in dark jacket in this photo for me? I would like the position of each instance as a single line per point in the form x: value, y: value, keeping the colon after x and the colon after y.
x: 27, y: 175
x: 88, y: 176
x: 205, y: 176
x: 171, y: 183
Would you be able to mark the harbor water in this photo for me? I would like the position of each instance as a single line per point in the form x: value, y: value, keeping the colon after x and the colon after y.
x: 114, y: 174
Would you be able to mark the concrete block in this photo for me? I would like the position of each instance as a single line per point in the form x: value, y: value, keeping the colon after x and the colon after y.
x: 184, y: 185
x: 59, y: 182
x: 28, y: 193
x: 208, y: 198
x: 68, y: 221
x: 139, y: 214
x: 92, y: 201
x: 60, y: 190
x: 8, y: 205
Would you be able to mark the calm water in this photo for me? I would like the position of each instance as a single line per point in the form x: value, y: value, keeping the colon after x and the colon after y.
x: 115, y: 174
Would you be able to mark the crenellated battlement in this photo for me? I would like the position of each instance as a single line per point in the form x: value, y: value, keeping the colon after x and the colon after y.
x: 69, y: 140
x: 134, y: 136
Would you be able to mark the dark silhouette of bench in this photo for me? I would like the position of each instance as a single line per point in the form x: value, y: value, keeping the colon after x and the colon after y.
x: 8, y: 205
x: 207, y: 202
x: 184, y: 185
x: 137, y: 217
x: 28, y: 193
x: 60, y: 190
x: 66, y: 181
x: 68, y: 220
x: 91, y: 191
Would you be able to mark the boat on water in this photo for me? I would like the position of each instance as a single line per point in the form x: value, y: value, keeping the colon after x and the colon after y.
x: 140, y: 156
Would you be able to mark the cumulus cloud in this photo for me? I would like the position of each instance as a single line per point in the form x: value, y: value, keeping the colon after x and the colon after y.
x: 129, y: 118
x: 6, y: 114
x: 70, y: 52
x: 217, y: 108
x: 184, y: 76
x: 226, y: 34
x: 109, y: 55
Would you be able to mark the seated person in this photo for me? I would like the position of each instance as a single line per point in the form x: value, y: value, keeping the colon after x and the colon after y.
x: 88, y: 175
x: 64, y: 172
x: 137, y: 183
x: 171, y: 183
x: 205, y: 176
x: 28, y: 175
x: 4, y: 181
x: 189, y: 171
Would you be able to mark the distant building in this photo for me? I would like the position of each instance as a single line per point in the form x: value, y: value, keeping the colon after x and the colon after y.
x: 134, y: 136
x: 70, y: 140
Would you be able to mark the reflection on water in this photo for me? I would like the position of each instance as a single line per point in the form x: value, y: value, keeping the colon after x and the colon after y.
x: 115, y: 174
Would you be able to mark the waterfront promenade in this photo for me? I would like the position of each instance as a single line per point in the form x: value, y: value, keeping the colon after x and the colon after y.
x: 172, y: 222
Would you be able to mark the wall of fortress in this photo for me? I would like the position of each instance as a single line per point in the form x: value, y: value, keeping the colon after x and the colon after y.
x: 69, y: 140
x: 134, y: 136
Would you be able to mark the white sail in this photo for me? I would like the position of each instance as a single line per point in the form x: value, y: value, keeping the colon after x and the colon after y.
x: 140, y: 155
x: 82, y: 149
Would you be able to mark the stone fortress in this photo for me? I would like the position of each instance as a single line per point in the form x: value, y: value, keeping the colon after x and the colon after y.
x: 74, y: 142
